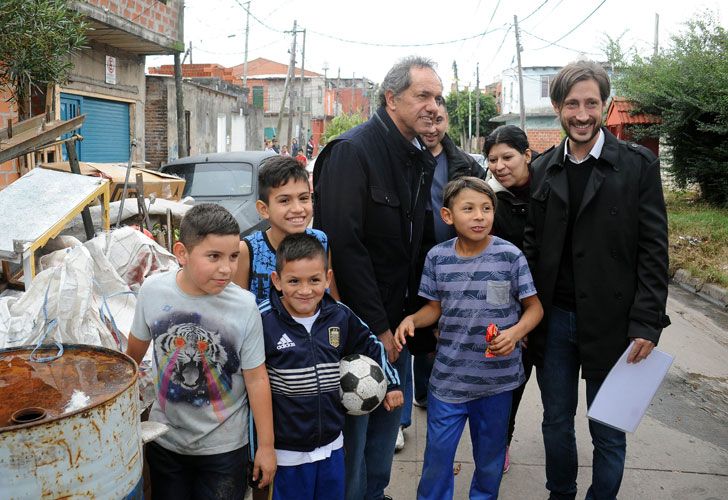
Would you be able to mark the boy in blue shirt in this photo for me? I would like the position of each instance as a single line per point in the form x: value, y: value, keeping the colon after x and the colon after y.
x: 471, y: 281
x: 208, y: 363
x: 285, y: 202
x: 306, y: 334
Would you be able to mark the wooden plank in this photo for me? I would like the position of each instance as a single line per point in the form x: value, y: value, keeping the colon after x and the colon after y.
x: 31, y: 140
x: 33, y: 123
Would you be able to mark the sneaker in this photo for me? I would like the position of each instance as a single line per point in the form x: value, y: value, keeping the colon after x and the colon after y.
x: 399, y: 444
x: 420, y: 404
x: 507, y: 462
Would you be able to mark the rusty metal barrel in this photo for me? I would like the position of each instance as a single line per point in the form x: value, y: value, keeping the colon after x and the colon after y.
x: 69, y: 428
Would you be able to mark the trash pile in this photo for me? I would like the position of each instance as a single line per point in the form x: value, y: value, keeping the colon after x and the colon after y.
x: 85, y: 293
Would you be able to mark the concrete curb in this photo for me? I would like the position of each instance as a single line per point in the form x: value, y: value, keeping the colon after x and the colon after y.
x: 709, y: 291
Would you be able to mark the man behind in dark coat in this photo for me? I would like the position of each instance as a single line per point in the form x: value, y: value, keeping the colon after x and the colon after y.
x: 596, y: 243
x: 371, y: 186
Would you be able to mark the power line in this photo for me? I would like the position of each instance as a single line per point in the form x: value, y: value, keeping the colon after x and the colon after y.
x: 505, y: 35
x: 536, y: 10
x: 428, y: 44
x: 258, y: 20
x: 557, y: 45
x: 574, y: 28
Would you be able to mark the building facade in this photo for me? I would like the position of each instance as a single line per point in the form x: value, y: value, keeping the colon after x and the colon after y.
x: 107, y: 80
x: 215, y: 120
x: 542, y: 123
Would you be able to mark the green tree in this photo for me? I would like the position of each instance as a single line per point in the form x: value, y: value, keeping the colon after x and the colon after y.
x: 687, y: 86
x: 457, y: 107
x: 37, y: 38
x: 340, y: 124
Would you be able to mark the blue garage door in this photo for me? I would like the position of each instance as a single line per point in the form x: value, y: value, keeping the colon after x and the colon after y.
x: 105, y: 130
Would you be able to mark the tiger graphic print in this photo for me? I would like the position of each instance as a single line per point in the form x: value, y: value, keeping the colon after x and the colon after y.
x: 192, y: 363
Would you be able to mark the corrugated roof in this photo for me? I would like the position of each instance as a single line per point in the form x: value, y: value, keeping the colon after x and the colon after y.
x: 621, y: 112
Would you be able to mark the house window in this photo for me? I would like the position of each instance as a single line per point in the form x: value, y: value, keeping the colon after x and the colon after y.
x: 545, y: 84
x: 258, y: 97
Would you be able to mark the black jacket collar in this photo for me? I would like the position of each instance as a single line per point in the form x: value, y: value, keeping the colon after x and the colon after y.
x: 610, y: 152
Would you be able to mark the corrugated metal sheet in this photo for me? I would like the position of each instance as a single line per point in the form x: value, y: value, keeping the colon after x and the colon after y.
x: 621, y: 112
x: 105, y: 131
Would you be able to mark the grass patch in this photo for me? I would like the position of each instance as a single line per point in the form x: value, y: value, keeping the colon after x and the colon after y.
x: 698, y: 236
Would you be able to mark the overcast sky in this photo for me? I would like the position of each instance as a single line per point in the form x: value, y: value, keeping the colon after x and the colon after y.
x: 364, y: 38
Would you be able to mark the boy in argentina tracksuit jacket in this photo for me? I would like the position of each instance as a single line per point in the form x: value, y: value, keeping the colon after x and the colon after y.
x: 306, y: 334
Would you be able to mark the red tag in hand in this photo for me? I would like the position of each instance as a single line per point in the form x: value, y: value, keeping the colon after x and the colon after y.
x: 490, y: 333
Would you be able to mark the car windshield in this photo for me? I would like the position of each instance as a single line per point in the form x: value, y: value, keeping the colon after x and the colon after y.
x: 215, y: 179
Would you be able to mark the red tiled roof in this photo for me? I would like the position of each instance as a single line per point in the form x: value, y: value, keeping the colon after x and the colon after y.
x: 621, y: 112
x: 262, y: 66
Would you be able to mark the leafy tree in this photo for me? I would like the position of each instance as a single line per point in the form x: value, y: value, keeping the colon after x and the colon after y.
x: 340, y: 124
x: 457, y: 107
x: 687, y: 86
x: 37, y: 38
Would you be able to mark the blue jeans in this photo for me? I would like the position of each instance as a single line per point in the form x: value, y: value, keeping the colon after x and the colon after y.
x: 558, y: 380
x: 369, y: 443
x: 488, y: 419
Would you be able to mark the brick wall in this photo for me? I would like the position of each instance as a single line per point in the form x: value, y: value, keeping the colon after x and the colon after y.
x: 199, y: 71
x: 156, y: 16
x: 9, y: 169
x: 155, y: 122
x: 542, y: 139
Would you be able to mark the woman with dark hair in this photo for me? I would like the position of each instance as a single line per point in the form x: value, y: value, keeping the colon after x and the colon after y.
x: 509, y: 158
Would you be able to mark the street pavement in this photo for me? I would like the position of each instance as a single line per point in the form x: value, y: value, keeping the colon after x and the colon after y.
x: 679, y: 451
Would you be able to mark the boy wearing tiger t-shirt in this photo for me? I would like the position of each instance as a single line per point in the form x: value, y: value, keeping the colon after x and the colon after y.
x: 209, y: 364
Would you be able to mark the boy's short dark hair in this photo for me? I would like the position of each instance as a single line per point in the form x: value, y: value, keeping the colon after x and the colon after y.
x: 277, y: 171
x: 454, y: 187
x: 299, y: 246
x: 204, y: 219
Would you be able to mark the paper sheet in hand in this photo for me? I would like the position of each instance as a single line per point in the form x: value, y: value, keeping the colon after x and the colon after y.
x: 627, y: 391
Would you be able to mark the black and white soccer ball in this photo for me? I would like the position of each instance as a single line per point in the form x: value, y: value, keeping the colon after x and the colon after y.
x: 363, y: 385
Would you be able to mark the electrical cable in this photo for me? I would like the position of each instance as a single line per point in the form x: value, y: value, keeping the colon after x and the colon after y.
x: 574, y: 28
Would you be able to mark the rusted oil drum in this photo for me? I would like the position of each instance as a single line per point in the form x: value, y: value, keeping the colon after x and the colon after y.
x: 48, y: 450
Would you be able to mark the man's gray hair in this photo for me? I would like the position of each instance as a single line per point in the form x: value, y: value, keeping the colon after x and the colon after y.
x: 398, y: 79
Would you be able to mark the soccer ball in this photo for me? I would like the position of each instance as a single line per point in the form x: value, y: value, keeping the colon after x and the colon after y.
x: 363, y: 385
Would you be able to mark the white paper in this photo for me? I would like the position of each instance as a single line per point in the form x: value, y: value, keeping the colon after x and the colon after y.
x: 627, y: 391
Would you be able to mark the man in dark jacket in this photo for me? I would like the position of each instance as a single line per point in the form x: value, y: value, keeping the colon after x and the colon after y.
x: 596, y: 243
x: 371, y: 186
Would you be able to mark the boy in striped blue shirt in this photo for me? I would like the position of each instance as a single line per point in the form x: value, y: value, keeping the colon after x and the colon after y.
x: 471, y: 281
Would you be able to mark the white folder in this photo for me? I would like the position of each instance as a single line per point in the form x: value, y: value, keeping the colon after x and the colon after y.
x: 627, y: 391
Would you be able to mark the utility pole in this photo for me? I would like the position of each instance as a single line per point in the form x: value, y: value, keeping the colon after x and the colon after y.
x: 289, y: 76
x: 657, y: 29
x: 470, y: 118
x: 181, y: 146
x: 337, y: 97
x: 520, y: 75
x: 245, y: 60
x: 477, y: 108
x: 300, y: 116
x: 457, y: 103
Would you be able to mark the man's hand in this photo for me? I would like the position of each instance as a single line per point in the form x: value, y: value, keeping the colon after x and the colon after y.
x: 393, y: 400
x: 387, y: 339
x: 640, y: 350
x: 264, y: 466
